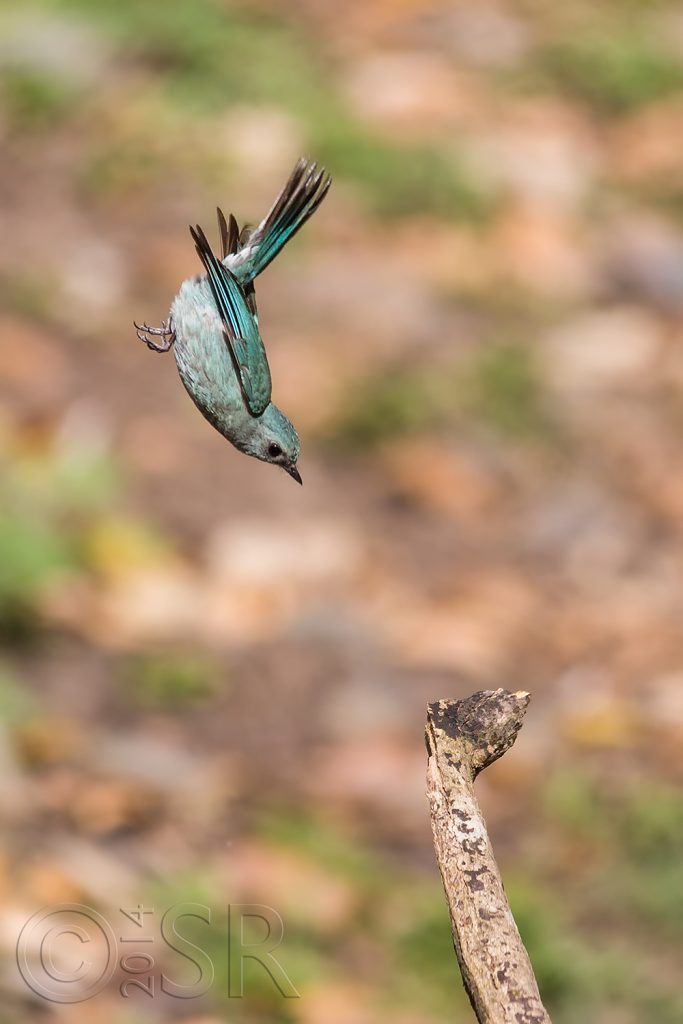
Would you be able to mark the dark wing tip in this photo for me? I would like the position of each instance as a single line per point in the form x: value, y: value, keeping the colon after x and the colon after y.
x: 203, y: 248
x: 222, y: 232
x: 233, y: 235
x: 200, y: 240
x: 229, y: 233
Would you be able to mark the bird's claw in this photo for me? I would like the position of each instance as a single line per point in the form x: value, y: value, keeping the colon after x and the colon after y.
x: 147, y: 334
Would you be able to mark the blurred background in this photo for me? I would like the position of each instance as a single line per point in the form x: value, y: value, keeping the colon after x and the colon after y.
x: 213, y: 682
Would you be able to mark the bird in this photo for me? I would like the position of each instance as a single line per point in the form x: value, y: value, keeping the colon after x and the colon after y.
x: 213, y: 324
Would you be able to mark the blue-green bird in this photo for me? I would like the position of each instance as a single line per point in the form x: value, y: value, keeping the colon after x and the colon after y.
x: 213, y: 324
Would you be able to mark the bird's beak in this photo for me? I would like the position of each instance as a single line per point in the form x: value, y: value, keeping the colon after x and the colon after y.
x: 294, y: 473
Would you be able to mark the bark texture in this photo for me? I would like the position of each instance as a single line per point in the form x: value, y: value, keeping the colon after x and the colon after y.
x: 463, y: 737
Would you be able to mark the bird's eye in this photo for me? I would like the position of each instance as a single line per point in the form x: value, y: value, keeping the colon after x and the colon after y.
x: 274, y: 450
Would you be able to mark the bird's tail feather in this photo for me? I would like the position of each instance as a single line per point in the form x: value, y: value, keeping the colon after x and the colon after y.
x: 298, y: 200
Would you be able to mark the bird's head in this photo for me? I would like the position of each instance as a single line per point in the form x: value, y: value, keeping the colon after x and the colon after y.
x: 276, y: 441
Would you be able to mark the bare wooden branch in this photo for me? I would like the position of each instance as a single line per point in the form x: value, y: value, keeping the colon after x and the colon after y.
x: 463, y: 737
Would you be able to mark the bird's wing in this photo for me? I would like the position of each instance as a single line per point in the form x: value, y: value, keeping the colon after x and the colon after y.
x: 239, y: 328
x: 299, y: 199
x: 231, y: 239
x: 229, y: 233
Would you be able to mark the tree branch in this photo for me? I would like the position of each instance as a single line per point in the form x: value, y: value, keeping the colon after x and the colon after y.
x: 464, y: 737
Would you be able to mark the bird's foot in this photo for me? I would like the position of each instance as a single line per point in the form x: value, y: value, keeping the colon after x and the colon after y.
x: 165, y: 334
